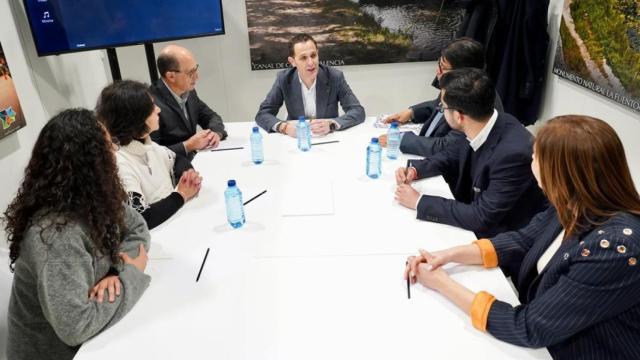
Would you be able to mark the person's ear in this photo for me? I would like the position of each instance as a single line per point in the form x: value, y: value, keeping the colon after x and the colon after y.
x: 462, y: 118
x: 291, y: 61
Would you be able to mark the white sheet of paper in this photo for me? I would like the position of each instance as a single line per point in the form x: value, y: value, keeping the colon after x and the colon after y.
x: 233, y: 142
x: 308, y: 199
x: 380, y: 124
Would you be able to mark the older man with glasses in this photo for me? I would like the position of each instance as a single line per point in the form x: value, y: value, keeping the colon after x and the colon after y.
x: 182, y: 109
x: 435, y: 133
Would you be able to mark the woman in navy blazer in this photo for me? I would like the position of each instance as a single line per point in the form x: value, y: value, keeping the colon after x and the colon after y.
x: 577, y: 267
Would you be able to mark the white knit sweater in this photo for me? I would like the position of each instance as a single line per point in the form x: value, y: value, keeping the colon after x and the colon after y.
x: 147, y: 169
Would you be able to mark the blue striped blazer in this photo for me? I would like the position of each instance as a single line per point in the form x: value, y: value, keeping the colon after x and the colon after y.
x: 585, y: 304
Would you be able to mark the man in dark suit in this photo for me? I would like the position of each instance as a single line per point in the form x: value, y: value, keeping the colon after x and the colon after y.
x: 311, y: 90
x: 489, y: 173
x: 435, y: 133
x: 181, y: 108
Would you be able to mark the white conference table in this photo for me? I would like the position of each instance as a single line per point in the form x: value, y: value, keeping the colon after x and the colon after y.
x: 301, y: 287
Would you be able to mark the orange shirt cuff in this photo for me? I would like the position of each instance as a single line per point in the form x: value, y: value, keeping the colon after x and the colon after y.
x: 488, y: 253
x: 480, y: 310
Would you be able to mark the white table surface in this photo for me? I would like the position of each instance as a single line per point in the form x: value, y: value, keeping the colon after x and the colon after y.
x: 301, y: 287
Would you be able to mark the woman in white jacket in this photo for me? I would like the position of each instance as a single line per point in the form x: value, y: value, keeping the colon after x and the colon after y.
x: 149, y: 172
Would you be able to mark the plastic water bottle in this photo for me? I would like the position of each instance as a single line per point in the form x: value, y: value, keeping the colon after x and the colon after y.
x: 374, y: 159
x: 304, y: 134
x: 256, y: 146
x: 393, y: 141
x: 233, y: 200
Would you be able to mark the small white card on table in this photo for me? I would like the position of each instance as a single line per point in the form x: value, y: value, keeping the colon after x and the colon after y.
x: 308, y: 199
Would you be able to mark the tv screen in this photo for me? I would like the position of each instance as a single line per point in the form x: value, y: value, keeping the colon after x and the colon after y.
x: 60, y: 26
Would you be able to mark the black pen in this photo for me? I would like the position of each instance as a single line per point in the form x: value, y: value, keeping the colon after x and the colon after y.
x: 202, y: 266
x: 408, y: 283
x: 253, y: 198
x: 225, y: 149
x: 325, y: 142
x: 406, y: 171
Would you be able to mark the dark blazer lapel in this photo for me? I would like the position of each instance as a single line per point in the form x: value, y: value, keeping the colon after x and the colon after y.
x: 528, y: 270
x: 193, y: 112
x: 531, y: 260
x: 434, y: 114
x: 488, y: 147
x: 322, y: 93
x: 551, y: 271
x: 425, y: 126
x: 461, y: 191
x: 295, y: 106
x: 496, y: 133
x: 173, y: 104
x: 442, y: 128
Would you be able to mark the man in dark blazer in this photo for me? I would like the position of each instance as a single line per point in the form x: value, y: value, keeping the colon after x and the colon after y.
x: 311, y: 90
x: 435, y: 133
x: 489, y: 173
x: 181, y: 108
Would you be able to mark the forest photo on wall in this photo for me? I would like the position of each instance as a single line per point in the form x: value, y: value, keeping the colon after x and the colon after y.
x: 599, y: 48
x: 353, y: 32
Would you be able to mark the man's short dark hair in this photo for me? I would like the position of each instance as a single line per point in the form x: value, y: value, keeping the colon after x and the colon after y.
x: 469, y: 91
x: 298, y: 39
x: 167, y: 62
x: 464, y: 53
x: 123, y: 107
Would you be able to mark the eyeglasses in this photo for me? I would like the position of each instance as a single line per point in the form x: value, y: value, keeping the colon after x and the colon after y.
x: 441, y: 67
x: 441, y: 109
x: 189, y: 73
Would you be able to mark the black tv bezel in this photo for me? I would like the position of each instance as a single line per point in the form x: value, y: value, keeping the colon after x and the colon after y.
x: 132, y: 43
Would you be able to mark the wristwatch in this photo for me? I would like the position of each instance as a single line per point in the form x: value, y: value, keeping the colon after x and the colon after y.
x: 333, y: 127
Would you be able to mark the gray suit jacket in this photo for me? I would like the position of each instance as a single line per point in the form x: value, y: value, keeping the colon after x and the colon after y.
x: 331, y: 88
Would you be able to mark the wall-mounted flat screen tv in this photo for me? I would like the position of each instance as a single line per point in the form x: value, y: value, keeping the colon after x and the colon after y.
x: 61, y: 26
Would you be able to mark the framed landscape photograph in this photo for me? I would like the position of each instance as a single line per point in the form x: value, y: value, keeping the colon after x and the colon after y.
x: 353, y: 32
x: 11, y: 116
x: 599, y: 48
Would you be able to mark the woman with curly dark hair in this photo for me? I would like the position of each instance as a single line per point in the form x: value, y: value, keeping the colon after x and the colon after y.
x: 71, y: 237
x: 147, y: 170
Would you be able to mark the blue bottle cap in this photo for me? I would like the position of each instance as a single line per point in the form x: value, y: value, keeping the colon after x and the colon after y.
x: 394, y: 125
x: 301, y: 118
x: 374, y: 140
x: 231, y: 183
x: 255, y: 129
